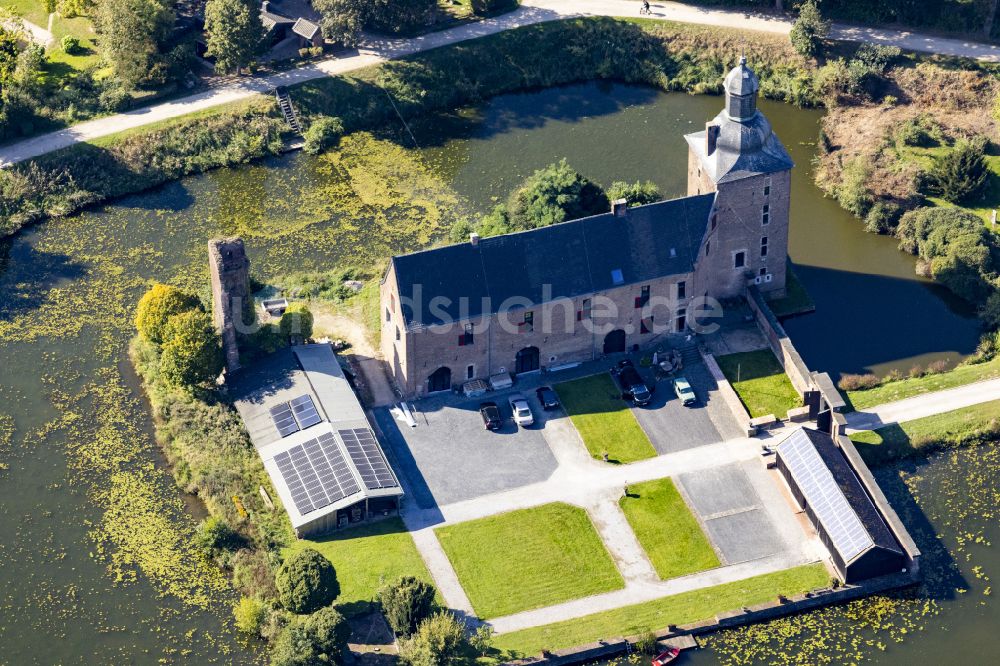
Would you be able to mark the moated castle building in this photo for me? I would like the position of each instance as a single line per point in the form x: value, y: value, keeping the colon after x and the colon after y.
x: 441, y: 309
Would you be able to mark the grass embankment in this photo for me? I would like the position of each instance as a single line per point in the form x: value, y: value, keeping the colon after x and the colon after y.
x: 796, y: 299
x: 366, y: 557
x: 761, y: 383
x: 657, y: 614
x: 604, y: 420
x: 969, y: 425
x: 907, y: 388
x: 668, y: 56
x: 666, y: 528
x: 529, y: 558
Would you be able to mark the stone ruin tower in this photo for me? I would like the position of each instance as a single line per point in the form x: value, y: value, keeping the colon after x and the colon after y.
x: 230, y: 271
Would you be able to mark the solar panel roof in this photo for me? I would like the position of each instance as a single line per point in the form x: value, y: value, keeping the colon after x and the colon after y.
x: 316, y: 473
x: 305, y: 411
x: 825, y: 497
x: 284, y: 421
x: 367, y: 456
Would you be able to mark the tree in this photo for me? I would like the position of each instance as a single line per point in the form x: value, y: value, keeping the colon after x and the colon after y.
x: 132, y: 34
x: 191, y: 353
x: 297, y: 321
x: 482, y: 639
x: 554, y: 194
x: 809, y: 30
x: 636, y: 194
x: 492, y: 7
x: 233, y: 33
x: 439, y: 641
x: 959, y: 174
x: 159, y: 304
x: 294, y: 647
x: 342, y: 20
x: 406, y: 603
x: 990, y: 312
x: 400, y: 16
x: 315, y: 640
x: 306, y: 582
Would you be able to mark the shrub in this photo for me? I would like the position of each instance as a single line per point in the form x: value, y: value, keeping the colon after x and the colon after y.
x: 921, y: 130
x: 636, y: 194
x: 406, y: 603
x: 809, y: 30
x: 191, y: 352
x: 114, y: 98
x: 306, y: 582
x: 440, y: 640
x: 937, y: 367
x: 315, y: 640
x: 70, y: 44
x: 322, y: 133
x: 853, y: 192
x: 157, y: 306
x: 482, y: 639
x: 297, y: 321
x: 215, y: 535
x: 882, y: 218
x: 990, y: 312
x: 849, y: 382
x: 554, y: 194
x: 250, y: 614
x: 492, y: 7
x: 959, y: 174
x: 329, y: 630
x: 647, y: 643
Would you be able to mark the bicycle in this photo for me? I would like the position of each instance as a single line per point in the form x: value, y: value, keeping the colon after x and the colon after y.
x: 645, y: 10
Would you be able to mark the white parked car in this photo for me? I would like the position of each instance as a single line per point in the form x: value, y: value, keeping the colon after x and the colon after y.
x: 522, y: 412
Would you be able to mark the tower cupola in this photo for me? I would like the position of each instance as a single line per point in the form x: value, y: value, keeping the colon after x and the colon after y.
x: 741, y: 86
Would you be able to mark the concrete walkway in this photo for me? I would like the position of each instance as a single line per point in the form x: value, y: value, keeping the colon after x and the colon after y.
x: 596, y: 487
x: 375, y: 50
x: 927, y: 404
x: 36, y: 33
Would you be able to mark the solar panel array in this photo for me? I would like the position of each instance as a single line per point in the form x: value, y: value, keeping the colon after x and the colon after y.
x: 305, y: 411
x: 316, y: 473
x: 296, y: 415
x: 368, y: 458
x: 284, y: 421
x: 824, y: 496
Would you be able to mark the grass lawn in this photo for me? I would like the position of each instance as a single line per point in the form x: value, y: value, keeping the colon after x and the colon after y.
x: 796, y: 300
x: 667, y: 530
x: 653, y: 615
x: 367, y: 556
x: 528, y: 559
x: 604, y: 420
x: 760, y: 382
x: 907, y: 388
x: 955, y: 428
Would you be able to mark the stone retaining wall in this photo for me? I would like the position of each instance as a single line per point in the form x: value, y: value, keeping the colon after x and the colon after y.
x: 727, y: 392
x: 779, y: 342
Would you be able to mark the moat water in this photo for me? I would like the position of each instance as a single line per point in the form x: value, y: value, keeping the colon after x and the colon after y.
x: 94, y: 564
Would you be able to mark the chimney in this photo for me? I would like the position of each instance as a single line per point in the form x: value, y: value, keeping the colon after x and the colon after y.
x: 619, y: 207
x: 711, y: 137
x: 474, y: 239
x: 265, y: 6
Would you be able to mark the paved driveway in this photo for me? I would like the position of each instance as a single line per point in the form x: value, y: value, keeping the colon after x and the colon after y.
x: 449, y: 457
x: 728, y: 502
x: 673, y: 427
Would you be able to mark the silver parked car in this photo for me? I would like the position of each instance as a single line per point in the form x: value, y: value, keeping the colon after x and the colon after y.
x: 522, y: 412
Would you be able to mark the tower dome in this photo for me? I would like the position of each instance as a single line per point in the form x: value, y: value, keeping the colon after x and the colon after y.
x: 741, y: 86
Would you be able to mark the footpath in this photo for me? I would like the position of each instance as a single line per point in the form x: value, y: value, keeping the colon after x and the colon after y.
x: 375, y: 50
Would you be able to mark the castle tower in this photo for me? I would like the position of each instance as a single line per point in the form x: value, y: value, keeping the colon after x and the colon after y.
x: 230, y: 272
x: 740, y: 158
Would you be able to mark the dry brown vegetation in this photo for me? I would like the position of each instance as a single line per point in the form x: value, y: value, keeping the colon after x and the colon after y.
x: 862, y: 131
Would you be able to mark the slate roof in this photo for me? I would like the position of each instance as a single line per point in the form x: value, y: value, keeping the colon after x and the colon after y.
x: 305, y: 28
x: 575, y: 258
x: 743, y: 149
x: 838, y: 521
x: 741, y: 80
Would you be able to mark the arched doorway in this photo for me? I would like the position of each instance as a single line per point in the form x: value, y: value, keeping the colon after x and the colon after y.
x: 526, y: 360
x: 440, y: 380
x: 614, y: 342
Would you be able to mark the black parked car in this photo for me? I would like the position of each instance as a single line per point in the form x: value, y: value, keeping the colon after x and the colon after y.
x: 547, y: 397
x: 491, y: 415
x: 631, y: 383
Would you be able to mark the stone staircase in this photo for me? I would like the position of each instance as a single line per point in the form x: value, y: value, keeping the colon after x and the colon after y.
x: 287, y: 110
